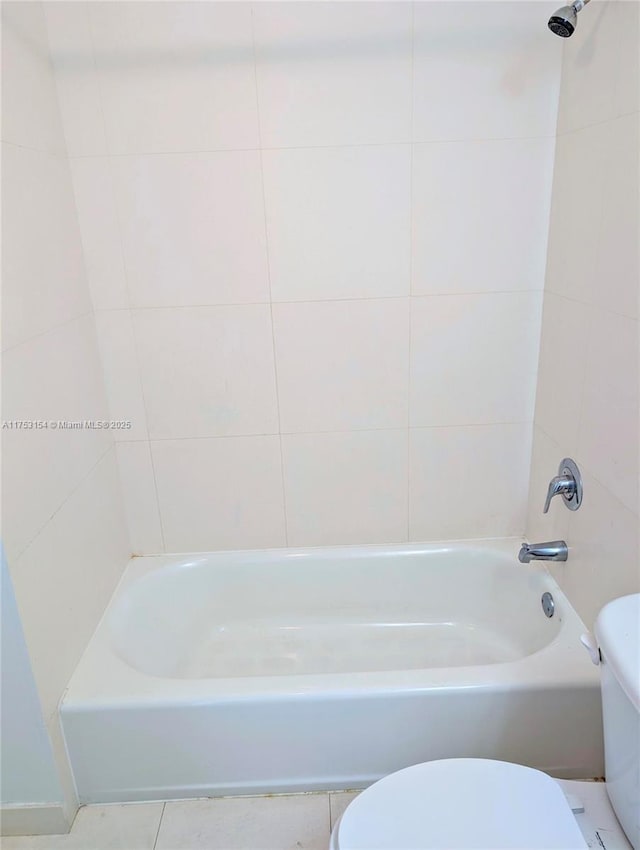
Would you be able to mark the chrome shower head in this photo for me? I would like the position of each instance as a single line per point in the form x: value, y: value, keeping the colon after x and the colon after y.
x: 565, y: 20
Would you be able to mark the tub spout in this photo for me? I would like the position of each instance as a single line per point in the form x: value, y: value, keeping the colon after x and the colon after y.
x: 556, y: 550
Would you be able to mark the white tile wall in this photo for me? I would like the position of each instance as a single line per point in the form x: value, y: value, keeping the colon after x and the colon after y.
x: 175, y: 76
x: 70, y: 45
x: 450, y: 387
x: 342, y: 365
x: 609, y: 431
x: 30, y: 116
x: 566, y: 330
x: 587, y: 399
x: 55, y: 376
x: 581, y: 169
x: 338, y: 221
x: 99, y: 229
x: 222, y: 493
x: 346, y: 487
x: 618, y: 261
x: 251, y: 191
x: 181, y: 245
x: 207, y: 371
x: 139, y: 494
x: 333, y: 73
x: 454, y: 471
x: 627, y: 33
x: 119, y: 360
x: 481, y: 71
x: 462, y: 242
x: 43, y: 282
x: 603, y: 541
x: 591, y: 67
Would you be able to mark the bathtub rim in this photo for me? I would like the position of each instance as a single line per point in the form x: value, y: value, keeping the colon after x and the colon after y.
x: 103, y: 679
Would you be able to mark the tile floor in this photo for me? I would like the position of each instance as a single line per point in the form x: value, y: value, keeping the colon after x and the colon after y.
x: 287, y: 822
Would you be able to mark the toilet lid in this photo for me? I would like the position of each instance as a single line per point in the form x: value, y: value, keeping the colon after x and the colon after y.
x: 461, y: 803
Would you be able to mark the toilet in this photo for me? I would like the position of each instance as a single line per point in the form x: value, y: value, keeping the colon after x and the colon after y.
x: 468, y: 803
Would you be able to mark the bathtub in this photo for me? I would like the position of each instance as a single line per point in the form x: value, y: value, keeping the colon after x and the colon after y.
x: 324, y: 669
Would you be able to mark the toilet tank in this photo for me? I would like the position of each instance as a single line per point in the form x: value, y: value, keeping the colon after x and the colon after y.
x: 617, y: 631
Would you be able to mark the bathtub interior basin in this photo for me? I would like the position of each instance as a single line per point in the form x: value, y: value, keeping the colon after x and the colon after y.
x: 223, y: 616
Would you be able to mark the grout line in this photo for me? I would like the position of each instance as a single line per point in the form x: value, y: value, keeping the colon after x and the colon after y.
x: 266, y: 235
x: 155, y: 842
x: 593, y: 124
x: 600, y: 309
x: 317, y: 432
x: 116, y: 208
x: 387, y: 143
x: 125, y: 270
x: 350, y: 300
x: 136, y: 353
x: 98, y: 80
x: 56, y: 154
x: 51, y: 330
x: 83, y: 479
x: 140, y: 386
x: 411, y: 243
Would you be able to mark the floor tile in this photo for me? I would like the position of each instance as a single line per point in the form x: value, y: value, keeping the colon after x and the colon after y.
x: 131, y: 826
x: 298, y: 822
x: 338, y: 802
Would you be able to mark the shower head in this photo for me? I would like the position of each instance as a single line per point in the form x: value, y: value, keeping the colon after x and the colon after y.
x: 565, y: 20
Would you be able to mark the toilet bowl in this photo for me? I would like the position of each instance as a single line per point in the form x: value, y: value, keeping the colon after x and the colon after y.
x: 467, y: 803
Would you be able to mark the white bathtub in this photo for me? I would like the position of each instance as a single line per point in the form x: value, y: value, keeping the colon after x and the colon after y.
x: 296, y: 670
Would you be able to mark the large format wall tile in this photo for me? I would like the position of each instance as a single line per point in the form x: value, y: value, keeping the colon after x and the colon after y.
x: 603, y: 551
x: 207, y: 371
x: 496, y: 384
x: 608, y: 437
x: 480, y: 215
x: 77, y: 84
x: 618, y: 262
x: 192, y: 228
x: 139, y: 494
x: 484, y: 71
x: 333, y: 73
x: 30, y: 116
x: 101, y: 243
x: 576, y: 213
x: 278, y: 179
x: 43, y: 281
x: 346, y: 487
x: 121, y: 372
x: 338, y: 222
x: 55, y: 376
x: 342, y: 365
x: 590, y: 68
x: 175, y: 76
x: 468, y: 482
x: 224, y: 493
x: 627, y: 85
x: 566, y: 329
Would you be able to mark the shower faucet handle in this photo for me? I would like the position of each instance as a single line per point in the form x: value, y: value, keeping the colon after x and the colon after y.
x: 567, y: 482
